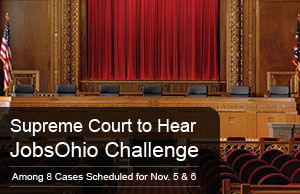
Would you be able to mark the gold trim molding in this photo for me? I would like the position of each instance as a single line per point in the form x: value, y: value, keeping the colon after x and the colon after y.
x: 275, y: 77
x: 249, y: 33
x: 71, y: 36
x: 33, y: 76
x: 67, y: 34
x: 234, y: 43
x: 241, y: 43
x: 56, y: 43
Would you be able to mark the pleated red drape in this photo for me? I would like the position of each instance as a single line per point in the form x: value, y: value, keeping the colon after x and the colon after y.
x: 153, y: 40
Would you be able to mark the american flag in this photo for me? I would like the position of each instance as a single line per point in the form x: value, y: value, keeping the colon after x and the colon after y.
x: 5, y: 55
x: 296, y: 58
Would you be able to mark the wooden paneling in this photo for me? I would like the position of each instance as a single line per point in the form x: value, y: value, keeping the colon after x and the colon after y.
x: 223, y: 34
x: 276, y: 28
x: 45, y: 38
x: 234, y: 120
x: 268, y: 118
x: 135, y: 87
x: 31, y: 36
x: 246, y: 117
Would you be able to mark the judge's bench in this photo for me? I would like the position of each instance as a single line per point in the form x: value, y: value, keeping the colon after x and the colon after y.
x: 247, y: 117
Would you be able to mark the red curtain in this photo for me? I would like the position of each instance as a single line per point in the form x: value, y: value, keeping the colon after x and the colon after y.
x: 153, y: 40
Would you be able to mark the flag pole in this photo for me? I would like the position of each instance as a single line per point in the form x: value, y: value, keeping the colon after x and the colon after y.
x: 6, y: 91
x: 7, y: 17
x: 296, y: 58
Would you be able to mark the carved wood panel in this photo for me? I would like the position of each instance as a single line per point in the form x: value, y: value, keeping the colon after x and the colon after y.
x: 27, y: 77
x: 241, y: 43
x: 284, y: 78
x: 71, y: 31
x: 276, y: 23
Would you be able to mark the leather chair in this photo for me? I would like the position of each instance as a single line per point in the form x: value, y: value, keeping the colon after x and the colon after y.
x: 152, y: 91
x: 67, y: 90
x: 281, y: 159
x: 197, y: 91
x: 260, y: 173
x: 297, y: 155
x: 215, y: 183
x: 280, y: 91
x: 290, y: 167
x: 240, y: 91
x: 233, y: 154
x: 295, y: 178
x: 23, y: 90
x: 109, y: 90
x: 249, y: 167
x: 269, y: 155
x: 236, y: 138
x: 274, y: 179
x: 240, y: 161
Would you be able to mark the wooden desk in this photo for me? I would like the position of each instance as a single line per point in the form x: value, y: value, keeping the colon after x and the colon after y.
x: 238, y: 116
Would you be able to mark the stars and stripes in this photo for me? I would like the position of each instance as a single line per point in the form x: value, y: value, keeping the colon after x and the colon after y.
x: 5, y: 55
x: 296, y: 58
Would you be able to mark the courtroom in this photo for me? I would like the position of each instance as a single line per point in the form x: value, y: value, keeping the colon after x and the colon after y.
x: 204, y: 93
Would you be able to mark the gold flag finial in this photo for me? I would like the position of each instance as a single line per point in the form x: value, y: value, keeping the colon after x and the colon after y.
x: 7, y: 16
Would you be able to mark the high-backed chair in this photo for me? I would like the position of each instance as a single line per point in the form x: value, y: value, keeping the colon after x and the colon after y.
x: 280, y: 91
x: 204, y: 159
x: 281, y: 159
x: 197, y: 91
x: 67, y: 90
x: 295, y: 178
x: 240, y: 161
x: 217, y: 170
x: 274, y: 179
x: 249, y: 167
x: 269, y: 155
x: 23, y: 90
x: 236, y: 138
x: 209, y: 165
x: 297, y: 155
x: 290, y: 167
x: 109, y: 90
x: 215, y: 183
x: 240, y: 91
x: 261, y: 172
x: 152, y: 91
x: 233, y: 154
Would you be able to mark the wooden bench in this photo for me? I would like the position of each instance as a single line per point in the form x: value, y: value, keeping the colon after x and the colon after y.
x: 228, y: 188
x: 246, y: 117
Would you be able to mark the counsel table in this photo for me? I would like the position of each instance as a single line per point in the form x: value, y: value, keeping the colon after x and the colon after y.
x: 238, y: 116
